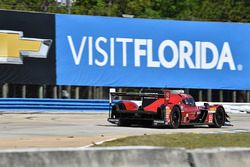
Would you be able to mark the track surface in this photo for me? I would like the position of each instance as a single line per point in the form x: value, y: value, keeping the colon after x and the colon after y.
x: 81, y: 129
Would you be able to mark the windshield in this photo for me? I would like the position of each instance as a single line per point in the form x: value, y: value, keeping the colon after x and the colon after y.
x: 189, y: 101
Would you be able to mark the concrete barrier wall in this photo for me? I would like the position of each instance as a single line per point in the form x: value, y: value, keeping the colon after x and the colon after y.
x: 103, y: 157
x: 126, y: 156
x: 218, y: 157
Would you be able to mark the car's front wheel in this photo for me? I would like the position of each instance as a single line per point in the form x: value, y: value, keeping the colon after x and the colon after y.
x: 218, y: 118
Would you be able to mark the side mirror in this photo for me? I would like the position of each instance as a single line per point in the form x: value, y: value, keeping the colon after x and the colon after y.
x: 206, y: 105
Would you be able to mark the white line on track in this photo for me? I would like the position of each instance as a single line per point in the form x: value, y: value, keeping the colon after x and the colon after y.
x: 98, y: 143
x: 229, y: 131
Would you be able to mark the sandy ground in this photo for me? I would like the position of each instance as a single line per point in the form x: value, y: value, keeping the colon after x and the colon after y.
x: 43, y: 130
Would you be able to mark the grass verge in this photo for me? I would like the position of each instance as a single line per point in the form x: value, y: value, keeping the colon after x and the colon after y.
x: 186, y: 140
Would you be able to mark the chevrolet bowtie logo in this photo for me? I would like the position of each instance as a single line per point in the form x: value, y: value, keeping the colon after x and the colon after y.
x: 13, y: 47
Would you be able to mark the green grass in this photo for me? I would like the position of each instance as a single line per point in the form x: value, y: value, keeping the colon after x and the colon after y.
x: 187, y: 140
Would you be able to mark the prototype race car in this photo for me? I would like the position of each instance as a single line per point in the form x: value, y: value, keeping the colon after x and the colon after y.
x: 164, y: 107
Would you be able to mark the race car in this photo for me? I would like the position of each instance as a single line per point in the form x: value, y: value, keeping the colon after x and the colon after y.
x: 164, y: 107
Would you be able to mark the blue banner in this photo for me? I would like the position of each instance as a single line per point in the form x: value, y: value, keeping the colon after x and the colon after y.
x: 107, y: 51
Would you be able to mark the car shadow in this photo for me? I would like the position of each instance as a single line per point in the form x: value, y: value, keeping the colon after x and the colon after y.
x: 157, y: 127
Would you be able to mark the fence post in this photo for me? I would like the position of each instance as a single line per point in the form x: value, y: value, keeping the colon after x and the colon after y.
x: 40, y: 91
x: 54, y: 91
x: 209, y: 95
x: 234, y: 96
x: 221, y: 95
x: 77, y: 92
x: 23, y: 91
x: 200, y: 95
x: 5, y: 90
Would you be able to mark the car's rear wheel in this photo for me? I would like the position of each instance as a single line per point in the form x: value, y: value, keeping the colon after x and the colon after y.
x: 175, y: 118
x: 218, y: 118
x: 117, y: 107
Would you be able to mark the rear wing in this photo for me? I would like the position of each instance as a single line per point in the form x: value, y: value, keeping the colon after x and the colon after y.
x: 136, y: 94
x: 141, y: 94
x: 145, y: 93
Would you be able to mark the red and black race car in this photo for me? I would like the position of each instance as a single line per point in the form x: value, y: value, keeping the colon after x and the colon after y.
x: 164, y: 107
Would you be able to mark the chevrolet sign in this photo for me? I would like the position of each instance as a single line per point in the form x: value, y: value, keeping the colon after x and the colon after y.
x: 13, y: 47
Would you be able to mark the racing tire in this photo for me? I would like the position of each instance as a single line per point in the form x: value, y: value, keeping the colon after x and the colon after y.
x: 118, y: 106
x: 175, y: 118
x: 113, y: 112
x: 218, y: 118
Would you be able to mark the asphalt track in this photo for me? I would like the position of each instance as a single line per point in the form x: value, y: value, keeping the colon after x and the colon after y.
x: 40, y: 130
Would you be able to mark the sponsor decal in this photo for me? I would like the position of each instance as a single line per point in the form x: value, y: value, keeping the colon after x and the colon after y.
x: 167, y: 120
x: 210, y: 118
x: 115, y: 52
x: 13, y: 47
x: 183, y: 54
